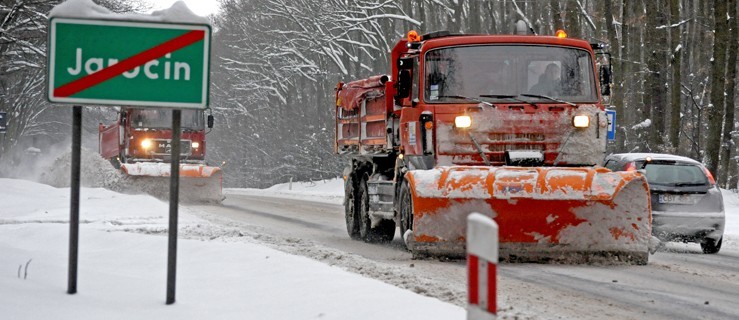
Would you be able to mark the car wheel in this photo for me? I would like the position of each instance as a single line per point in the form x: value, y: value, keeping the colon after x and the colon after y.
x: 350, y: 209
x: 710, y: 246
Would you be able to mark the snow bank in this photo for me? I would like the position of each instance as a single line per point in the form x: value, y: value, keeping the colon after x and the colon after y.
x: 122, y: 267
x: 327, y: 191
x: 86, y: 9
x: 95, y: 172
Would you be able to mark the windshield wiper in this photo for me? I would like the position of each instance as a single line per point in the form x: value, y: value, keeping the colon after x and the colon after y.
x: 470, y: 99
x: 688, y: 184
x: 548, y: 98
x: 508, y: 96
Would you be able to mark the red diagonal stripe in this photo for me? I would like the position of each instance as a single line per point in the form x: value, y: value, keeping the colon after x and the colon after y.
x: 128, y: 64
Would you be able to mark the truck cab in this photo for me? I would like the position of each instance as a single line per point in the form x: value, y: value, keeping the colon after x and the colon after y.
x: 145, y: 135
x: 517, y: 97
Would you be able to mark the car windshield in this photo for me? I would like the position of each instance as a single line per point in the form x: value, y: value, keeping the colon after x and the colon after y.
x: 675, y: 175
x: 162, y: 119
x: 509, y: 70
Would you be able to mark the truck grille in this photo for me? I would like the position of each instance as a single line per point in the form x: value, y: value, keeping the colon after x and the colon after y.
x: 163, y: 147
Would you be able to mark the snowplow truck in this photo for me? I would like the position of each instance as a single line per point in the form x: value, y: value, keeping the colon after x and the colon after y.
x: 509, y: 126
x: 139, y: 144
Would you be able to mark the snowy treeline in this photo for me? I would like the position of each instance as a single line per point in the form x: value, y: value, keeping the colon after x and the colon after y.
x: 34, y: 125
x: 278, y: 62
x: 275, y: 64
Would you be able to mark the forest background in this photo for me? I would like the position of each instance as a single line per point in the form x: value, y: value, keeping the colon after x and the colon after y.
x: 275, y: 64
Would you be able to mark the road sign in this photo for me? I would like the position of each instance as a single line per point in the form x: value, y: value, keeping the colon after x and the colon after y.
x: 611, y: 131
x: 3, y: 122
x: 106, y: 62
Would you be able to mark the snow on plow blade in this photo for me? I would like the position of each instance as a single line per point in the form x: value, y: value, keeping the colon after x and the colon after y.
x: 198, y: 183
x: 545, y: 214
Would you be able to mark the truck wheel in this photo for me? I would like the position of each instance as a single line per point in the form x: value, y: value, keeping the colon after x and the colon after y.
x: 406, y: 210
x: 710, y: 246
x: 116, y: 164
x: 350, y: 209
x: 384, y: 231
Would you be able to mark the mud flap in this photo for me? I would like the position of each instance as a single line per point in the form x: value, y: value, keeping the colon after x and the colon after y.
x: 563, y: 214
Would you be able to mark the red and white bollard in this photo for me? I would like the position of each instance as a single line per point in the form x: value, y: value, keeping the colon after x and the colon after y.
x: 482, y: 260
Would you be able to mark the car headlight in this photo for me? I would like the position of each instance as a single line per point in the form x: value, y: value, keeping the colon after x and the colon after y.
x: 581, y: 121
x: 146, y: 144
x: 462, y: 121
x: 195, y: 144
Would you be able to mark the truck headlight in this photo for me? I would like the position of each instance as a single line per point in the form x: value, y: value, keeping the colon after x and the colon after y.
x: 462, y: 121
x: 195, y: 144
x: 581, y: 121
x: 146, y: 144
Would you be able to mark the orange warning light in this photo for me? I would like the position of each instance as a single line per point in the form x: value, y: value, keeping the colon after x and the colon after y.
x: 413, y: 36
x: 561, y: 34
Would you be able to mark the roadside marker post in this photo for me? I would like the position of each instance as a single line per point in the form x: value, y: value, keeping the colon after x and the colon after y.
x: 132, y: 63
x: 482, y: 260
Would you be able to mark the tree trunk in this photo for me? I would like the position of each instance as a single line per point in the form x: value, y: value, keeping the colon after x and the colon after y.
x: 718, y: 85
x: 617, y: 92
x: 556, y: 15
x: 475, y: 25
x: 626, y: 66
x: 675, y: 91
x: 573, y: 20
x: 726, y: 160
x: 655, y: 102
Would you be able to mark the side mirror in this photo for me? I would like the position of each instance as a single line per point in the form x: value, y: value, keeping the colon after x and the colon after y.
x: 605, y: 80
x: 210, y: 121
x: 404, y: 83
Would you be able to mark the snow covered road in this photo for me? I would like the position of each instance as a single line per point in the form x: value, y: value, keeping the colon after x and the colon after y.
x: 679, y: 282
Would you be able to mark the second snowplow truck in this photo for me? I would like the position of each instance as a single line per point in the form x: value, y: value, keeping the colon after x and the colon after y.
x: 510, y: 126
x: 139, y: 144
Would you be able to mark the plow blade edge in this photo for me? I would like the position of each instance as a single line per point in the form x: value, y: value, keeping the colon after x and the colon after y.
x: 198, y: 183
x: 545, y: 214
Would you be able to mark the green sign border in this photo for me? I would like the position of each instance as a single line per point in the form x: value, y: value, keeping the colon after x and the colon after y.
x: 51, y: 52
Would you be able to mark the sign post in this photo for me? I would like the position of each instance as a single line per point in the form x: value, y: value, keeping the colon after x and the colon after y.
x: 611, y: 131
x: 74, y: 202
x: 131, y: 63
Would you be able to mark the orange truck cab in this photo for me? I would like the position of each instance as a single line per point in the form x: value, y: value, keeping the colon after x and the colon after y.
x: 510, y: 126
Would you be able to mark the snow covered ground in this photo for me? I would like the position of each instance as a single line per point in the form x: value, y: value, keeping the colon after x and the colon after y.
x: 222, y: 273
x: 122, y: 266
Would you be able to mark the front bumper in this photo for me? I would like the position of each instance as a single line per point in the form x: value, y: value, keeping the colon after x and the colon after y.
x: 688, y: 226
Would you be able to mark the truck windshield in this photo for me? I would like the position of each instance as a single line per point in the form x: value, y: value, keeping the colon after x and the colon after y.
x: 509, y: 70
x: 162, y: 119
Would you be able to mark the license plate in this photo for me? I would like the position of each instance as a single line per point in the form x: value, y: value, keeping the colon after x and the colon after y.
x: 679, y: 198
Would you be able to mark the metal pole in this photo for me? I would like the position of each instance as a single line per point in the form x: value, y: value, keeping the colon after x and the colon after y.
x: 174, y: 193
x: 74, y: 206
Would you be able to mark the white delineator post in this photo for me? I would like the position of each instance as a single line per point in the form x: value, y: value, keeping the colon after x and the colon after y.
x: 482, y: 260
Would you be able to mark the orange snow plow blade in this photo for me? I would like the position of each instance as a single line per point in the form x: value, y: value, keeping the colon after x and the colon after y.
x: 198, y: 183
x: 544, y: 214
